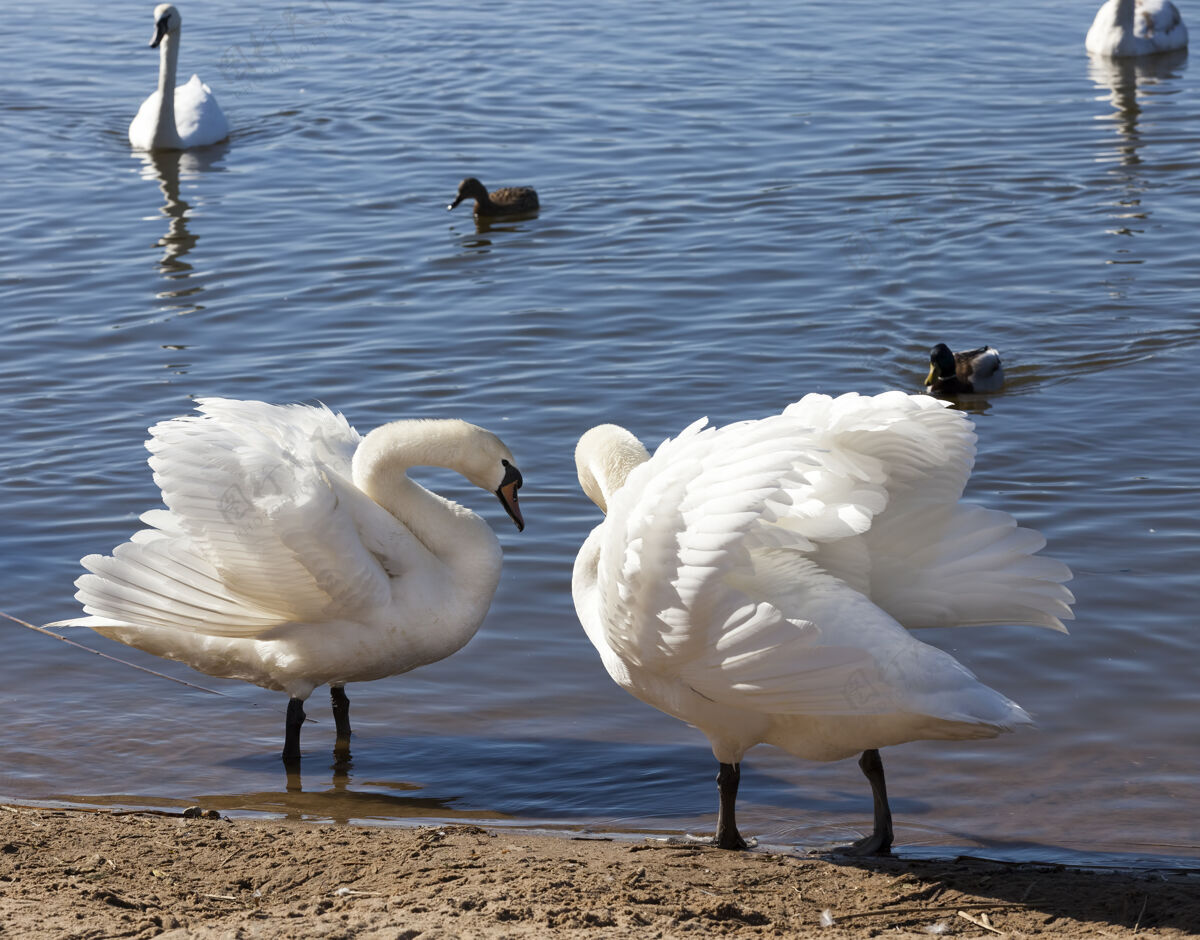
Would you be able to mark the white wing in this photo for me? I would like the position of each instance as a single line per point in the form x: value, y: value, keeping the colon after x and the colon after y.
x: 740, y: 560
x: 929, y: 560
x: 198, y: 118
x: 254, y: 534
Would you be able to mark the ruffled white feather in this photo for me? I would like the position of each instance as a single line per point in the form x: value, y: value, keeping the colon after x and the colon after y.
x: 756, y: 580
x: 272, y: 562
x: 1135, y: 28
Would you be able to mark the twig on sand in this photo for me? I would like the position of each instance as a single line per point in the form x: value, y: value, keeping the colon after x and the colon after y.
x: 1138, y: 924
x: 981, y: 921
x: 161, y: 675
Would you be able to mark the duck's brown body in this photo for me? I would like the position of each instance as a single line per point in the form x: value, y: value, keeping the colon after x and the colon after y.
x: 509, y: 201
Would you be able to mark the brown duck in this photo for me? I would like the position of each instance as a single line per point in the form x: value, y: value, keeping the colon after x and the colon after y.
x: 951, y: 373
x: 511, y: 200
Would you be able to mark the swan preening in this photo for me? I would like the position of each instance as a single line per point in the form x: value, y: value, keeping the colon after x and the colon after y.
x: 509, y: 201
x: 294, y: 552
x: 759, y: 580
x: 959, y: 373
x: 1136, y: 27
x: 175, y: 117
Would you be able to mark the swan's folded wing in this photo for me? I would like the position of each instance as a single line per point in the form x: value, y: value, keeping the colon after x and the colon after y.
x: 676, y: 526
x: 198, y: 117
x: 255, y: 534
x: 837, y: 654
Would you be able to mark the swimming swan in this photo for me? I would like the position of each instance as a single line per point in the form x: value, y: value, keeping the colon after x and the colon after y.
x: 759, y: 580
x: 175, y: 118
x: 1136, y: 27
x: 295, y: 553
x: 951, y: 373
x: 509, y: 201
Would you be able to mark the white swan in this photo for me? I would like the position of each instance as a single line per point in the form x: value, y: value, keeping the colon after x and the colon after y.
x: 1136, y: 27
x: 295, y: 553
x: 175, y: 118
x: 756, y: 581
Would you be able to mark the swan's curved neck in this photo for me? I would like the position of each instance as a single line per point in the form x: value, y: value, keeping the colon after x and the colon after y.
x: 380, y: 469
x: 606, y: 461
x: 1123, y: 15
x: 166, y: 134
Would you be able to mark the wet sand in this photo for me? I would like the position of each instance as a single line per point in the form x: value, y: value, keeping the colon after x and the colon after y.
x: 80, y: 874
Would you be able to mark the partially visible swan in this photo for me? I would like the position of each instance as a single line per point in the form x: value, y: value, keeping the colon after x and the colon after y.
x: 509, y: 201
x: 951, y: 373
x: 175, y: 118
x: 759, y: 580
x: 295, y: 553
x: 1136, y: 27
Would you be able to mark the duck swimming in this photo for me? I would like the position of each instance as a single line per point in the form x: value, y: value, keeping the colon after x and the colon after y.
x: 509, y: 201
x: 964, y: 373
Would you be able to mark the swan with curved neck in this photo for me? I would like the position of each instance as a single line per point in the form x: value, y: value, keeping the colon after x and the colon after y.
x: 758, y: 581
x: 176, y: 117
x: 295, y: 553
x: 1136, y: 27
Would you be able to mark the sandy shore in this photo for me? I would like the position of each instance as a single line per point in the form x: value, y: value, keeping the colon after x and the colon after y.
x: 66, y: 873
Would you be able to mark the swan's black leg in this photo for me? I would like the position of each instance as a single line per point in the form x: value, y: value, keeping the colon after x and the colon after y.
x: 878, y: 842
x: 291, y: 731
x: 341, y: 721
x: 727, y: 836
x: 341, y: 710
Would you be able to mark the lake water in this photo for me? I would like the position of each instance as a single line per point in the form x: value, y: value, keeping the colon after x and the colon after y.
x: 740, y: 206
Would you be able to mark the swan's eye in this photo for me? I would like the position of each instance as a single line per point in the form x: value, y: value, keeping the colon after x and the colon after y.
x: 511, y: 475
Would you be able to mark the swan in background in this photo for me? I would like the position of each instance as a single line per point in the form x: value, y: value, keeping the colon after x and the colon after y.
x: 509, y: 201
x: 175, y: 118
x: 1136, y: 27
x: 294, y: 552
x: 759, y: 580
x: 951, y: 373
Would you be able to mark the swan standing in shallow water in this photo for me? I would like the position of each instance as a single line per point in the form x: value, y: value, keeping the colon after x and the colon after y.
x: 757, y: 580
x: 1136, y: 27
x: 175, y: 118
x: 295, y: 553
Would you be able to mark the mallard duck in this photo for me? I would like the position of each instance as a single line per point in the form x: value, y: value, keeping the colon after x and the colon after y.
x: 1136, y: 27
x: 951, y: 373
x: 759, y: 582
x: 511, y: 200
x: 295, y: 552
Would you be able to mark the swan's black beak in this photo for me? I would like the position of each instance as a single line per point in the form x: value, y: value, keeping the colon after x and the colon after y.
x: 508, y: 492
x: 160, y: 30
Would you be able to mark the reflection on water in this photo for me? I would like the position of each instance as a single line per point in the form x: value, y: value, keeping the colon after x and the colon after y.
x: 1129, y: 82
x: 168, y: 168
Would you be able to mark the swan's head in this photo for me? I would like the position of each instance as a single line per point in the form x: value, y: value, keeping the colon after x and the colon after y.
x: 604, y: 457
x: 483, y: 459
x: 470, y: 188
x: 166, y: 23
x: 941, y: 363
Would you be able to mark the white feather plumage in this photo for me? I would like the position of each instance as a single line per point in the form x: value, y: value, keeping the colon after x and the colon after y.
x: 294, y: 552
x: 756, y: 580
